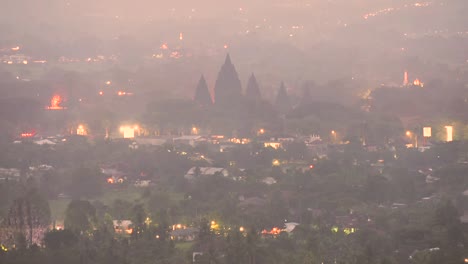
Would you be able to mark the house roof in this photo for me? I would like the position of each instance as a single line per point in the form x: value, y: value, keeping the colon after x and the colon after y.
x: 205, y: 170
x: 188, y: 138
x: 464, y: 218
x: 289, y: 227
x: 44, y: 142
x: 122, y: 223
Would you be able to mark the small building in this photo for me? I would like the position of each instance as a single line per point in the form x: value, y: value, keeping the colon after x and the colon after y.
x: 142, y: 183
x: 273, y: 144
x: 269, y: 180
x: 9, y: 173
x: 44, y: 142
x: 189, y: 140
x: 185, y: 234
x: 196, y: 172
x: 123, y: 226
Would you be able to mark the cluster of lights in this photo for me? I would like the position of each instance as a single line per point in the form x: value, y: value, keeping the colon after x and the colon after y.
x: 127, y: 230
x: 346, y: 230
x: 242, y: 141
x: 274, y: 231
x: 55, y: 103
x: 112, y: 180
x: 27, y: 135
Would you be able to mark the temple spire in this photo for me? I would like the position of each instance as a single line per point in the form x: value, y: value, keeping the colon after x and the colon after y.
x: 282, y: 103
x: 202, y: 94
x: 228, y: 88
x: 252, y: 91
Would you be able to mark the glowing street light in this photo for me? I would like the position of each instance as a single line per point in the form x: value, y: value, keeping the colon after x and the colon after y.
x: 261, y: 131
x: 412, y: 136
x: 333, y: 132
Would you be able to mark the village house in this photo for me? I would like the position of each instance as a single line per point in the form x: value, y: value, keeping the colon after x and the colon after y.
x: 196, y: 172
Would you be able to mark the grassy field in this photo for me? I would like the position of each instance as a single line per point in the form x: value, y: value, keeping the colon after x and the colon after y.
x: 184, y: 246
x: 131, y: 194
x: 58, y: 206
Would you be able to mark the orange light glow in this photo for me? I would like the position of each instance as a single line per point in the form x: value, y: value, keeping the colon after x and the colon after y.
x: 27, y: 135
x: 181, y: 36
x: 226, y: 46
x: 110, y: 180
x: 164, y: 46
x: 273, y: 231
x: 15, y: 48
x: 101, y: 93
x: 405, y: 78
x: 55, y: 103
x: 81, y: 131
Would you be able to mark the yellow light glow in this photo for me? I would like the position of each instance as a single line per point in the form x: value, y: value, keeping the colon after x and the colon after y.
x: 275, y: 145
x: 2, y: 247
x: 449, y: 130
x: 408, y: 133
x: 128, y: 131
x: 108, y: 82
x: 81, y: 130
x: 427, y: 132
x: 241, y: 229
x: 275, y: 162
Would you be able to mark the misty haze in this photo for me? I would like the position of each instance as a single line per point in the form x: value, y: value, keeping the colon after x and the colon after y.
x: 234, y: 132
